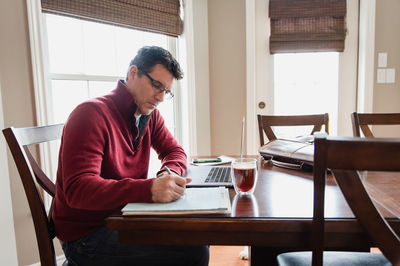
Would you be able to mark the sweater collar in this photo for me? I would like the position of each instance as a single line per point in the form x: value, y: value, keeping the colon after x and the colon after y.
x: 125, y: 102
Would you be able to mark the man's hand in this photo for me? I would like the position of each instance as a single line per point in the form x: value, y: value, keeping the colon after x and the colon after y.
x: 167, y: 188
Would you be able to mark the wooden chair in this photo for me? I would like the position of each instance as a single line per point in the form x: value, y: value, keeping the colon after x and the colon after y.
x: 363, y: 120
x: 344, y: 156
x: 19, y: 139
x: 265, y: 122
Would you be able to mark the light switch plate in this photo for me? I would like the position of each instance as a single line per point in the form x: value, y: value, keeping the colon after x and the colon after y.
x: 381, y: 75
x: 382, y: 59
x: 390, y: 75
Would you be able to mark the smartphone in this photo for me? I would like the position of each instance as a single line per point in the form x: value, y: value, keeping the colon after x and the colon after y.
x: 207, y: 160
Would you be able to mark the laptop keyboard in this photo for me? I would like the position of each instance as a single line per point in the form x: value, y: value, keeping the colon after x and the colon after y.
x: 219, y: 175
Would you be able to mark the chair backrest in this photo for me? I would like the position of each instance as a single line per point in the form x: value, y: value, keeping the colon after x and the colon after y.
x: 265, y: 122
x: 18, y: 140
x: 363, y: 120
x: 344, y: 156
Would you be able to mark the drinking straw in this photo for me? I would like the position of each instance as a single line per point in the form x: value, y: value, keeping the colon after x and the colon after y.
x: 242, y: 140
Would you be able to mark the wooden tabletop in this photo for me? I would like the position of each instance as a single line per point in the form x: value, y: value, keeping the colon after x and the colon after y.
x: 278, y: 215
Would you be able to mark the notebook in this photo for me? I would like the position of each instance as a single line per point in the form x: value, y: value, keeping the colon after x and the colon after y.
x: 209, y: 176
x: 194, y: 201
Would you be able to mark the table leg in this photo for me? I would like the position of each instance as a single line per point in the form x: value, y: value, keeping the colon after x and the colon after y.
x: 265, y: 256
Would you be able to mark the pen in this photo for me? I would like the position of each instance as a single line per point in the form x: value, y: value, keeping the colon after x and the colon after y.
x: 169, y: 172
x: 167, y: 169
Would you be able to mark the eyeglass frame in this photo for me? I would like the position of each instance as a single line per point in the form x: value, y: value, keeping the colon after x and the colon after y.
x: 157, y: 85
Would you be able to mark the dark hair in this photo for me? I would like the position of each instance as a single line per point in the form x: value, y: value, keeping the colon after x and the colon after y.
x: 149, y: 56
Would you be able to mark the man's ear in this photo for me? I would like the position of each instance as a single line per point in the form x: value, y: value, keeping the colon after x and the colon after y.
x: 132, y: 72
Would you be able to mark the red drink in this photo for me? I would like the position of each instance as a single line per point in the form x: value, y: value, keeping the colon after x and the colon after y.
x: 244, y: 177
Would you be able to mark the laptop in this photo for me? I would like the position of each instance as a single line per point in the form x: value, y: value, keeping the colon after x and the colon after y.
x: 209, y: 176
x: 212, y: 176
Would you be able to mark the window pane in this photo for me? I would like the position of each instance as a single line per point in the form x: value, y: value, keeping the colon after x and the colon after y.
x: 94, y: 49
x: 99, y: 49
x: 100, y: 88
x: 64, y: 44
x: 67, y: 94
x: 154, y: 39
x: 306, y: 83
x: 166, y: 109
x: 129, y: 41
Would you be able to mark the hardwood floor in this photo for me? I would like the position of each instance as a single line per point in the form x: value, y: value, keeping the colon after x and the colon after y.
x: 226, y: 256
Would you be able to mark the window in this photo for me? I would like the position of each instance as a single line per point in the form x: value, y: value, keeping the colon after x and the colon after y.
x: 306, y: 83
x: 85, y: 61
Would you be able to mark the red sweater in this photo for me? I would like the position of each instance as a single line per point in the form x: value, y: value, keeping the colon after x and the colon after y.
x: 100, y: 169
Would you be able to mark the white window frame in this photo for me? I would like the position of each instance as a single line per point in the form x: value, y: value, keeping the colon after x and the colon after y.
x: 41, y: 84
x: 171, y: 46
x: 193, y: 44
x: 365, y: 89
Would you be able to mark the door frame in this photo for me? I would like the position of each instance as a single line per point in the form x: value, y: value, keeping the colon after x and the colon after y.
x: 366, y: 55
x: 259, y: 69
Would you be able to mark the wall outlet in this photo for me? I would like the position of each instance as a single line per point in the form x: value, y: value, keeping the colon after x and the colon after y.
x: 382, y: 59
x: 381, y: 75
x: 390, y: 75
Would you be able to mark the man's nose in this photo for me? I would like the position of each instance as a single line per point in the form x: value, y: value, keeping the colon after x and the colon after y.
x: 160, y: 96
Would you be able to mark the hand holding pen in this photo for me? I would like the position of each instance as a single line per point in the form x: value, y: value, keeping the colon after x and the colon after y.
x: 168, y: 186
x: 188, y: 180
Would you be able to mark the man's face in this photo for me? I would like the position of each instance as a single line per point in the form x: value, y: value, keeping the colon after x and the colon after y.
x: 147, y: 98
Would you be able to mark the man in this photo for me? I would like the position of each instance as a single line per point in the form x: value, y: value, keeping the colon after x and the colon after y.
x: 103, y: 165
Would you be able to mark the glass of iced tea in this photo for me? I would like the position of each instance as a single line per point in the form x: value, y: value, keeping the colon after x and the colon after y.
x: 244, y: 175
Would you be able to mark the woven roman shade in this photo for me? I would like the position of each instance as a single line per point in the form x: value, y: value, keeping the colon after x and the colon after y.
x: 160, y: 16
x: 307, y: 25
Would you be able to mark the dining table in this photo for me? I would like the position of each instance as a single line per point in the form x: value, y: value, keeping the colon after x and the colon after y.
x: 276, y: 218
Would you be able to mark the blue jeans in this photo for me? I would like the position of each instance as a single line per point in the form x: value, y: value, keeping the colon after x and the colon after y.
x: 101, y: 247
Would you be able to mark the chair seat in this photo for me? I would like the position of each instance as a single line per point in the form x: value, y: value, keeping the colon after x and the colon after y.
x: 334, y: 258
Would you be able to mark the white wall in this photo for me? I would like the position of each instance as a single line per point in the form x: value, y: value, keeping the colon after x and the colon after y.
x: 227, y: 66
x: 348, y: 61
x: 387, y: 40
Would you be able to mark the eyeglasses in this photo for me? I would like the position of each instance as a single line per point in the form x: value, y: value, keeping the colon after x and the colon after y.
x: 158, y: 86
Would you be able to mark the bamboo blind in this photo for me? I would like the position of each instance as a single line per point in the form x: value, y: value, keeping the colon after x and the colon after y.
x: 307, y: 25
x: 160, y: 16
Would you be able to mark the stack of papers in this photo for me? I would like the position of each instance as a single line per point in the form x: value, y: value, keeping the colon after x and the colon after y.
x: 194, y: 201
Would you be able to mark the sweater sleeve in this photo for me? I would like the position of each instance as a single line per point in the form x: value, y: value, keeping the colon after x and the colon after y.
x: 169, y: 151
x: 81, y: 155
